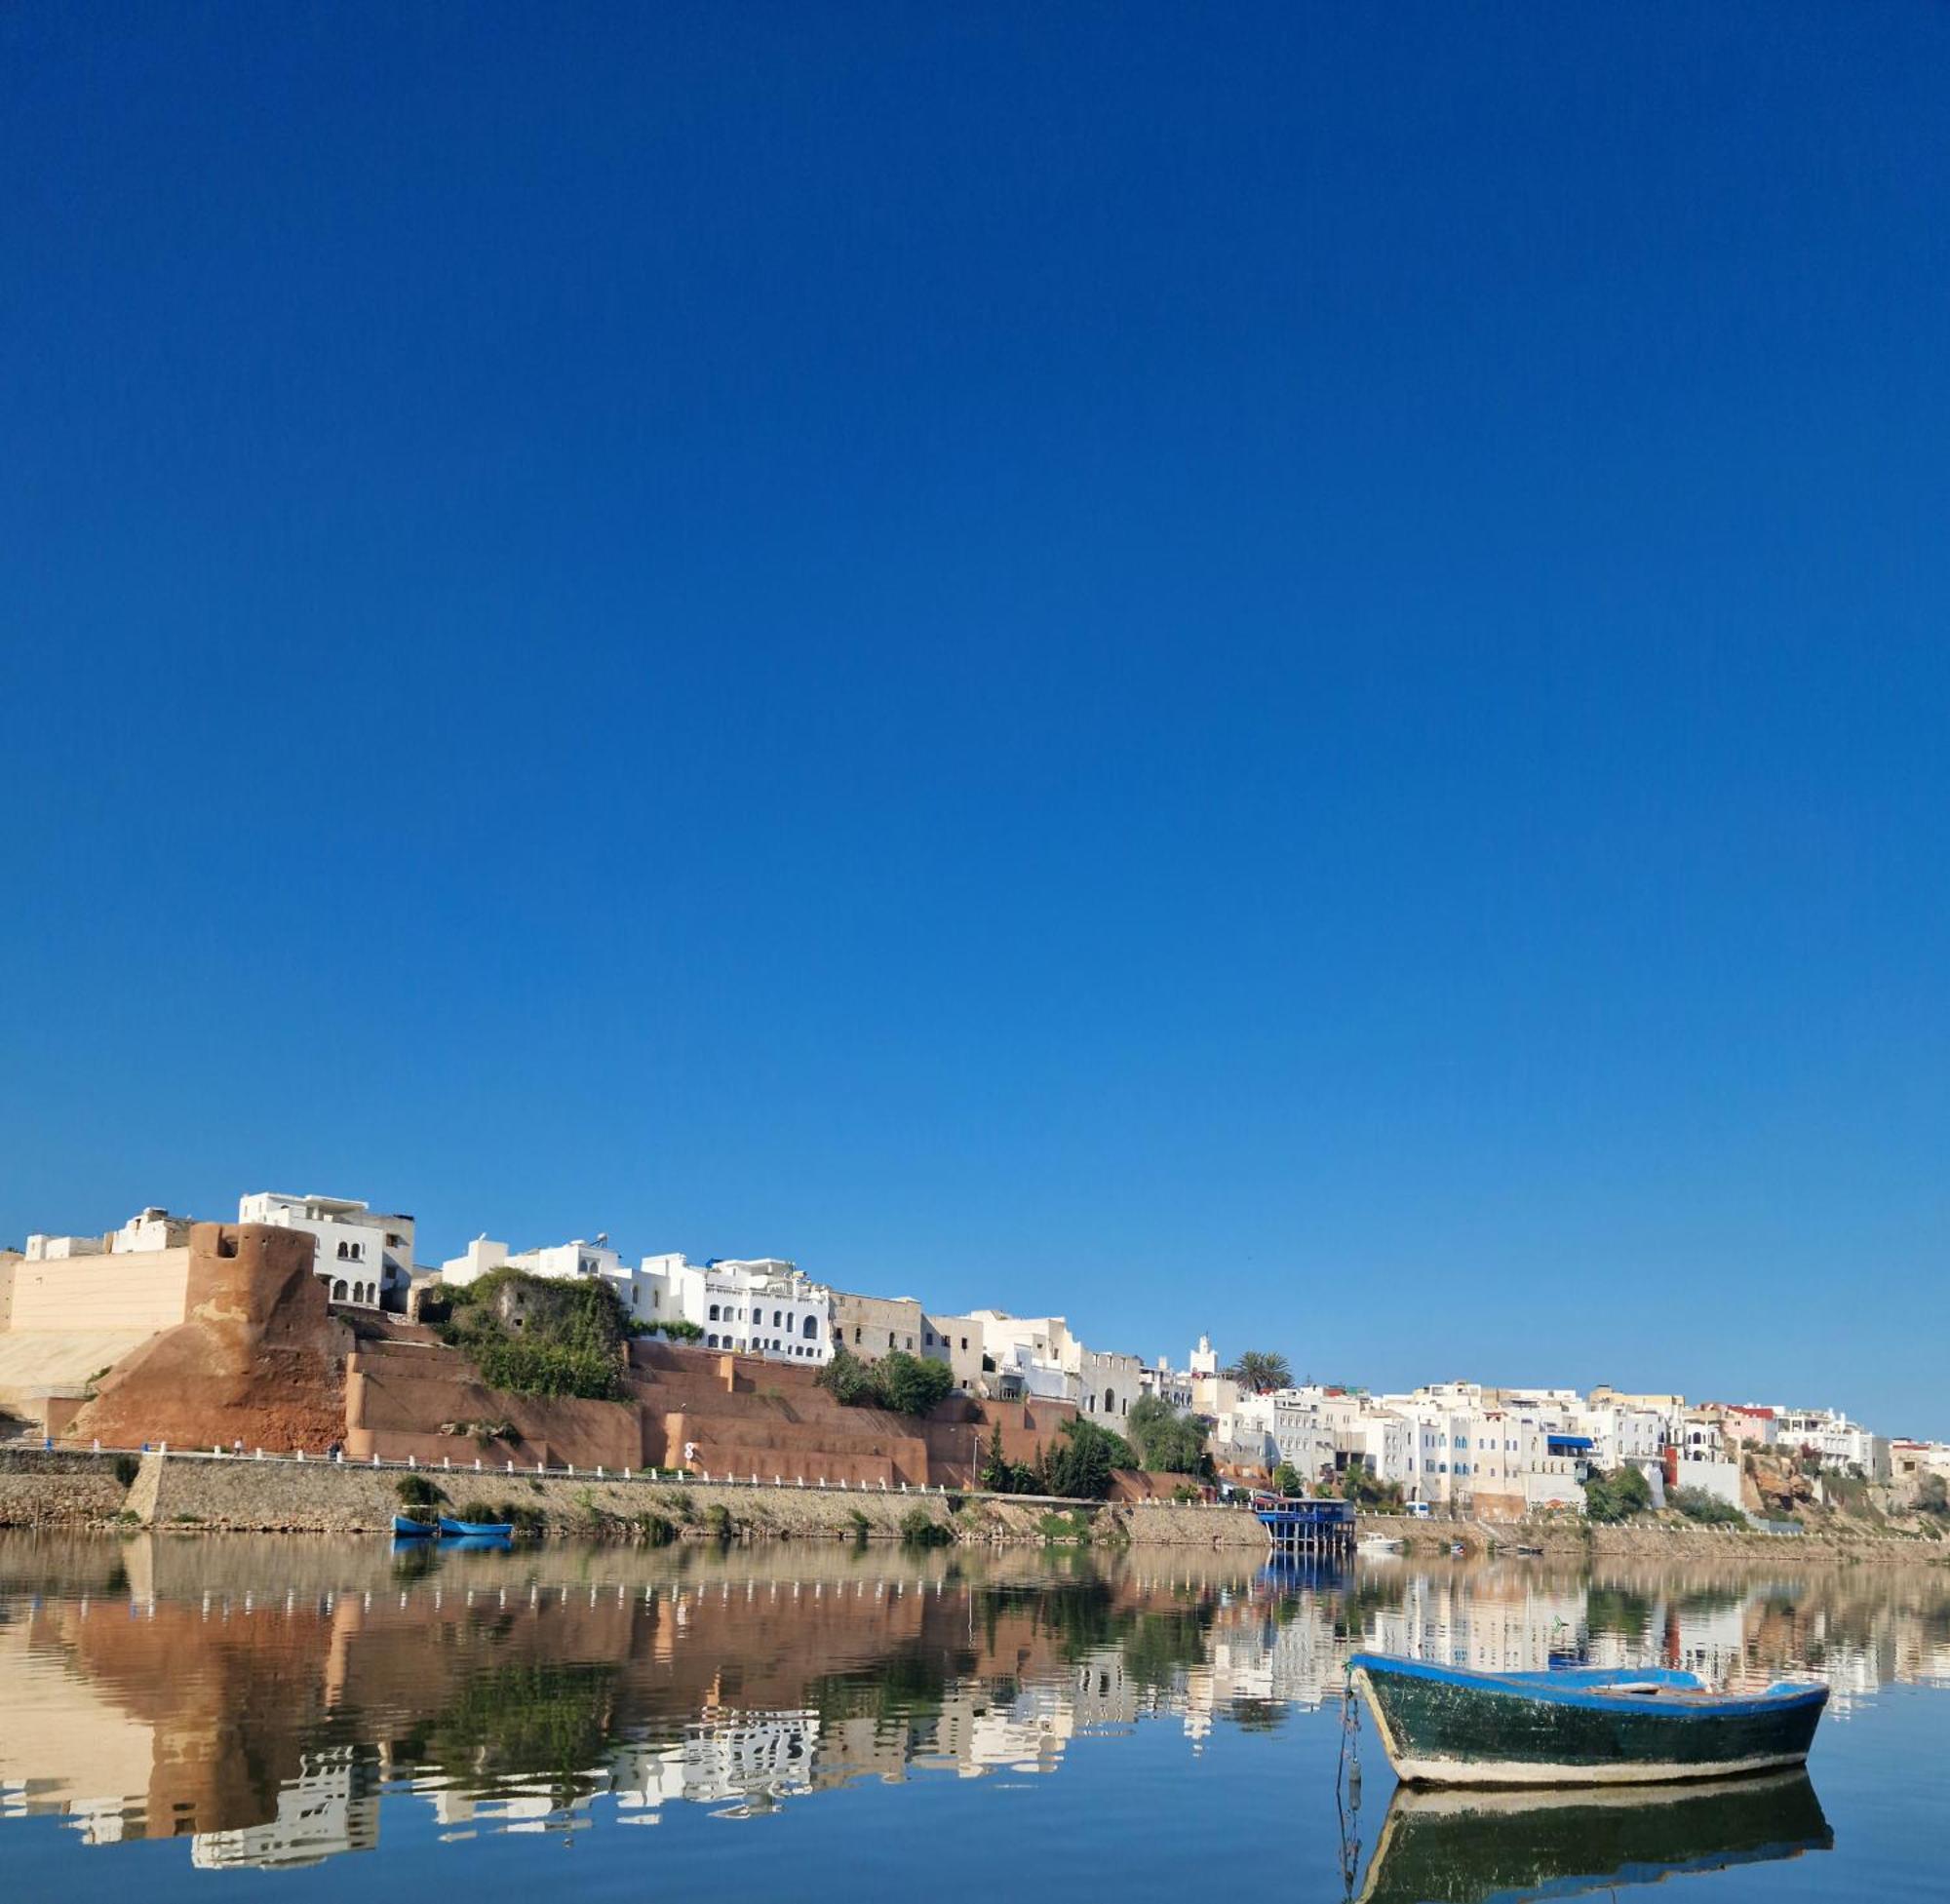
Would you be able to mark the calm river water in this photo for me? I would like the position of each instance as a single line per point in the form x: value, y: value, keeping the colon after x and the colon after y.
x: 205, y: 1718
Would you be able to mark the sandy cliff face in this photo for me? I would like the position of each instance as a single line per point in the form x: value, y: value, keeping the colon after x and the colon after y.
x: 259, y: 1357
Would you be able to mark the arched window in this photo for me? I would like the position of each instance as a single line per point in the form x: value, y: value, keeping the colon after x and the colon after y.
x: 813, y: 1327
x: 339, y: 1290
x: 711, y: 1342
x: 713, y: 1312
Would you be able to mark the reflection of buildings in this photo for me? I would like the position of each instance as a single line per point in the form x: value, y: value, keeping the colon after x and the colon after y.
x: 333, y: 1804
x: 264, y: 1712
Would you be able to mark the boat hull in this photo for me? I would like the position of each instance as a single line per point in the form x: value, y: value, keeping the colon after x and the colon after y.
x: 452, y: 1529
x: 1441, y: 1727
x: 407, y: 1528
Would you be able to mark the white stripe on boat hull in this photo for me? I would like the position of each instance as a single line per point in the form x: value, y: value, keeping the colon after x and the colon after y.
x: 1521, y: 1772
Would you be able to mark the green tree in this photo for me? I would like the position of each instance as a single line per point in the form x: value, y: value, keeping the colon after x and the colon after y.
x: 996, y: 1473
x: 1083, y: 1457
x: 1617, y: 1495
x: 849, y: 1381
x: 899, y: 1382
x: 1168, y: 1443
x: 1364, y: 1491
x: 1287, y: 1481
x: 1262, y: 1371
x: 909, y: 1385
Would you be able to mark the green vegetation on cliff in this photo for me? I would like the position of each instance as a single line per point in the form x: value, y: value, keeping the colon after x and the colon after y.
x: 541, y: 1335
x: 899, y: 1382
x: 1617, y: 1495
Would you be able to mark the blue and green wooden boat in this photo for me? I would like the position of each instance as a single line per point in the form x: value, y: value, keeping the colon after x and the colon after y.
x: 1442, y: 1725
x: 1507, y: 1848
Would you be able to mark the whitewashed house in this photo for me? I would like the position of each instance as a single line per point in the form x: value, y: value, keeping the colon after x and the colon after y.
x: 760, y: 1306
x: 363, y: 1254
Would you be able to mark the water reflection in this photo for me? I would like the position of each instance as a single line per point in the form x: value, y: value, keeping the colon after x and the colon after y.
x: 1474, y: 1848
x: 261, y: 1696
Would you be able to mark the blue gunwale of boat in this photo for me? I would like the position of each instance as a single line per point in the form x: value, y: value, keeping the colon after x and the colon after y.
x: 404, y: 1527
x: 1552, y: 1688
x: 452, y: 1529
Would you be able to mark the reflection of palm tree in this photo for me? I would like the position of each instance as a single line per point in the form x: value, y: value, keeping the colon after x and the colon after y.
x: 1262, y: 1371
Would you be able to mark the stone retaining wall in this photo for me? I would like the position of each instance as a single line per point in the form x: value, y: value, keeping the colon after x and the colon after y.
x: 188, y: 1493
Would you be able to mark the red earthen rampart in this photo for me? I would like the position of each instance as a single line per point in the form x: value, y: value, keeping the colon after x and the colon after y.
x: 258, y: 1358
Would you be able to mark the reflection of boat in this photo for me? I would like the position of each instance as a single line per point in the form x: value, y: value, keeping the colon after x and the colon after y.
x: 406, y: 1528
x: 1442, y: 1725
x: 452, y: 1529
x: 1379, y: 1543
x: 1482, y: 1848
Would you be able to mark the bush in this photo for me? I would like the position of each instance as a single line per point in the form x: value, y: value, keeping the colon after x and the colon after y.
x: 1287, y: 1481
x: 681, y: 1331
x: 919, y: 1529
x: 1696, y: 1504
x: 901, y: 1383
x: 569, y: 1340
x: 417, y: 1491
x: 480, y: 1512
x: 718, y: 1521
x: 655, y: 1530
x: 1617, y: 1495
x: 126, y: 1468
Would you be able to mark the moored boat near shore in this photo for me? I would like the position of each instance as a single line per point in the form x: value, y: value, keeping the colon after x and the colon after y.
x: 1443, y: 1726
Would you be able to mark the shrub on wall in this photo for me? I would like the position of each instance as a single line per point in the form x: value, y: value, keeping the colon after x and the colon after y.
x: 541, y: 1335
x: 902, y: 1383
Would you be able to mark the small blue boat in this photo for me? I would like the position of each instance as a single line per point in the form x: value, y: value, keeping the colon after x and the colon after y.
x: 407, y: 1528
x: 1604, y: 1726
x: 452, y: 1529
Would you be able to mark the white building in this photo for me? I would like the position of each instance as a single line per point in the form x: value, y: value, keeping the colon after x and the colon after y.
x: 561, y: 1262
x: 150, y: 1228
x: 362, y: 1255
x: 762, y: 1306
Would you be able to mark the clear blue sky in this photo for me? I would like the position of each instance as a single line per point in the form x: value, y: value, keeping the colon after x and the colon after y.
x: 1270, y: 670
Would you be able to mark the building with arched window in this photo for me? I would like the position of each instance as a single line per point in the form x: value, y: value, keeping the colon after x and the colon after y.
x: 362, y: 1252
x: 760, y: 1306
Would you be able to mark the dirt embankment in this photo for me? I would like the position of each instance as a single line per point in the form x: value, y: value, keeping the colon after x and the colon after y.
x: 195, y: 1494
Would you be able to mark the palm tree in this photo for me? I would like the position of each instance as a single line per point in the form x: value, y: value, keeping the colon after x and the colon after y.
x: 1262, y: 1371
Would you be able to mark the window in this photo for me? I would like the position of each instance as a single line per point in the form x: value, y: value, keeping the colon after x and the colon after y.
x: 711, y: 1342
x: 775, y: 1318
x: 339, y: 1290
x: 811, y: 1330
x: 857, y: 1332
x: 713, y: 1312
x: 964, y: 1342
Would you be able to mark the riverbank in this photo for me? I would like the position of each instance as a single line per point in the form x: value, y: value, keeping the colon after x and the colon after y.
x: 199, y: 1493
x: 1656, y: 1539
